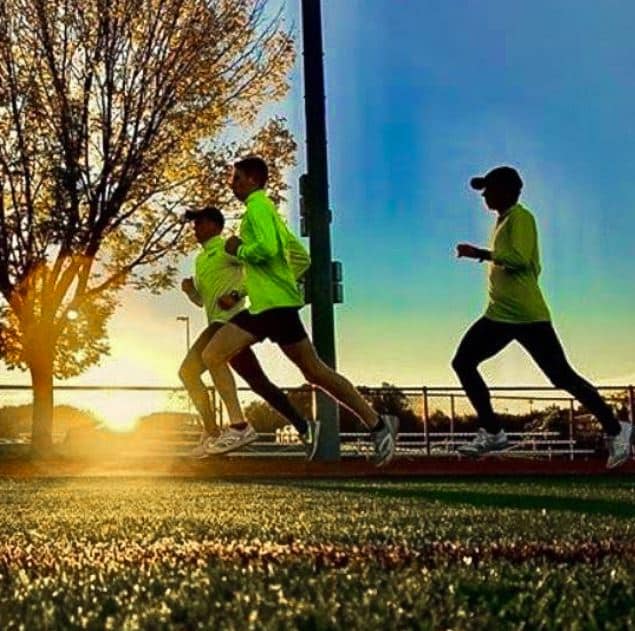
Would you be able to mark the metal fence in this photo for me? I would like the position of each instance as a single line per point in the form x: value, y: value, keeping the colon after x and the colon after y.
x: 440, y: 412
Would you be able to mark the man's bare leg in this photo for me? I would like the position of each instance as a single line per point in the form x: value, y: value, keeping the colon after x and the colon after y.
x: 304, y: 356
x: 227, y: 343
x: 190, y: 374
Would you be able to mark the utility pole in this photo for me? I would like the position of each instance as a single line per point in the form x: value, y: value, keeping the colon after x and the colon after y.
x: 316, y: 217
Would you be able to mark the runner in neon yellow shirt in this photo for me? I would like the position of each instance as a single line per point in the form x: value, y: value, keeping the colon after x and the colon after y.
x: 517, y: 311
x: 269, y: 280
x: 218, y: 286
x: 275, y: 301
x: 514, y: 294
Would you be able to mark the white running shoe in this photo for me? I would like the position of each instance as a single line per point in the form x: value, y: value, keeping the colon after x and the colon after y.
x: 620, y: 446
x: 232, y: 439
x: 311, y: 439
x: 484, y: 443
x: 385, y: 440
x: 200, y: 451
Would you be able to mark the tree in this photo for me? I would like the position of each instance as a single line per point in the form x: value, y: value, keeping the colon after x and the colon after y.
x: 112, y: 115
x: 388, y: 399
x: 265, y: 419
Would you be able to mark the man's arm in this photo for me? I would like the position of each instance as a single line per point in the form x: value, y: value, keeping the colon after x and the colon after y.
x: 468, y: 251
x: 188, y: 287
x: 265, y: 243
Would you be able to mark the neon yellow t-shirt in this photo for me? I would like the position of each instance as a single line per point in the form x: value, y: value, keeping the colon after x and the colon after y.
x: 514, y: 294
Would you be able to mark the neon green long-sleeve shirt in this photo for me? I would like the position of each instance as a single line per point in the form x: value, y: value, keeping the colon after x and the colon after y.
x: 269, y: 279
x: 514, y: 293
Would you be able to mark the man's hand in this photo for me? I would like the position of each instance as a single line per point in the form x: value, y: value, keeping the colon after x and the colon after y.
x: 228, y: 301
x: 232, y: 244
x: 187, y: 285
x: 470, y: 251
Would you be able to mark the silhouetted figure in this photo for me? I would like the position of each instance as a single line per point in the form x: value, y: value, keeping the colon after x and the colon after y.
x: 218, y: 286
x: 265, y: 247
x: 517, y: 311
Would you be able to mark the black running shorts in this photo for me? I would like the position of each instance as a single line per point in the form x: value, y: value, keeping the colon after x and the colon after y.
x: 281, y: 325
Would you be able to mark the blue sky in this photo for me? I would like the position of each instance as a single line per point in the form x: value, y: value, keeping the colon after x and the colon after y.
x: 422, y: 95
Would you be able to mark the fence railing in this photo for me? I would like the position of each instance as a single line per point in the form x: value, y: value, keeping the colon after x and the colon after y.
x: 427, y: 403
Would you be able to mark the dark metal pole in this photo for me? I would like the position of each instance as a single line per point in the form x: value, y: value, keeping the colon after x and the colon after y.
x: 186, y: 319
x: 571, y: 422
x: 452, y: 419
x: 319, y: 219
x: 426, y: 419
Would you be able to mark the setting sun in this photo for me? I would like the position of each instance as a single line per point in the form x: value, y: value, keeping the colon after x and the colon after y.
x: 120, y: 411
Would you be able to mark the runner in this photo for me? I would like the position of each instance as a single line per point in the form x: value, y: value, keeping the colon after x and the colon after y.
x: 267, y: 249
x: 517, y: 311
x: 218, y: 286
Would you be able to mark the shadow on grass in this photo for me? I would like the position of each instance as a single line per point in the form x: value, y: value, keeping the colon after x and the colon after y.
x: 470, y: 496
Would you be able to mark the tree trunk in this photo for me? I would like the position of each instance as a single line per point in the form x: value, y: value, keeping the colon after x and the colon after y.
x: 42, y: 428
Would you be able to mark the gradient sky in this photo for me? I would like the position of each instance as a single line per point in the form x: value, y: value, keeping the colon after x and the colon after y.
x: 422, y: 95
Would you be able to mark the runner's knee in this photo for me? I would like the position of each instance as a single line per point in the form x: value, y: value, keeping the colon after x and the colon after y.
x: 212, y: 357
x: 462, y: 363
x: 187, y: 373
x: 315, y: 372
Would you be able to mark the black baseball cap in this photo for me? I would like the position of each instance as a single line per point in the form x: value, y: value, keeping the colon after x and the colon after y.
x: 500, y: 177
x: 207, y: 212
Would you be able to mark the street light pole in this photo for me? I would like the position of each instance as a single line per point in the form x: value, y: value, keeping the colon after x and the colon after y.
x: 318, y: 216
x: 186, y: 319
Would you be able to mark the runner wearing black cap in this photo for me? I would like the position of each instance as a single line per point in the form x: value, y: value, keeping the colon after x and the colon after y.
x: 218, y: 286
x: 517, y: 311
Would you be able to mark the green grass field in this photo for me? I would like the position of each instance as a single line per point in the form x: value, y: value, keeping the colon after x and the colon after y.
x: 427, y: 554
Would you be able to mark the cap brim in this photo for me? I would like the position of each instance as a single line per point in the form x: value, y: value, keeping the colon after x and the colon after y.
x: 478, y: 183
